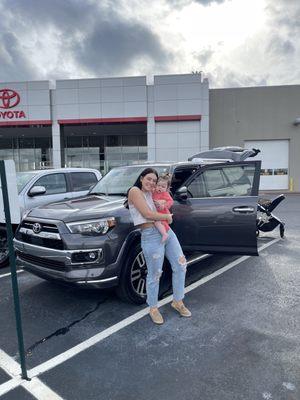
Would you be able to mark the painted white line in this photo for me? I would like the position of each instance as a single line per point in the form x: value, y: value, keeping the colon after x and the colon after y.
x: 196, y: 259
x: 10, y: 385
x: 39, y: 390
x: 10, y: 366
x: 36, y: 387
x: 9, y: 273
x: 226, y: 268
x: 59, y: 359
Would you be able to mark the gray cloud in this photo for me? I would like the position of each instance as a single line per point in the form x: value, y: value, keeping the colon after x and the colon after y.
x: 95, y: 37
x: 284, y: 14
x: 204, y: 56
x: 226, y: 78
x: 278, y: 45
x: 112, y: 47
x: 183, y: 3
x: 14, y: 61
x: 282, y: 42
x: 86, y: 38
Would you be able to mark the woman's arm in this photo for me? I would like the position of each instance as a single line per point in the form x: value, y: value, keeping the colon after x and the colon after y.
x: 135, y: 196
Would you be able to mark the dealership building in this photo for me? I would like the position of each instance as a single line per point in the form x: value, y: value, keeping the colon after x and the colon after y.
x: 107, y: 122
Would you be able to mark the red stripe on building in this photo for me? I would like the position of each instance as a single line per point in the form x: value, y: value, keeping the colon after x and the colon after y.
x: 170, y: 118
x: 102, y: 120
x: 25, y: 123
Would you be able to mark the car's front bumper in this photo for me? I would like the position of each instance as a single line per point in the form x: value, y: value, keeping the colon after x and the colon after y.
x: 57, y: 264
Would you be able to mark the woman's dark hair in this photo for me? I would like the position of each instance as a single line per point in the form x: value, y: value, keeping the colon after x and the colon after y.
x: 138, y: 182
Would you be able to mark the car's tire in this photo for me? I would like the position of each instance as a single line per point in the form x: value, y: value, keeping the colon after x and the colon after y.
x: 132, y: 281
x: 4, y: 253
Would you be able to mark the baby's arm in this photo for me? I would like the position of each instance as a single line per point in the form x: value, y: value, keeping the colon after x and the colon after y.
x: 168, y: 199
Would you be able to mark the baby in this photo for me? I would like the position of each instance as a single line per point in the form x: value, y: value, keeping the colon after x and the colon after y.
x: 163, y: 202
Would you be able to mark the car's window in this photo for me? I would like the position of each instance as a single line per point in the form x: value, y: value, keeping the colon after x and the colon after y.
x: 180, y: 175
x: 215, y: 181
x: 226, y: 181
x: 54, y: 183
x: 241, y: 179
x: 197, y: 188
x: 82, y: 180
x: 118, y: 180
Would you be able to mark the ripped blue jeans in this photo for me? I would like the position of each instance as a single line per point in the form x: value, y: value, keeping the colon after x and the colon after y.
x: 154, y: 252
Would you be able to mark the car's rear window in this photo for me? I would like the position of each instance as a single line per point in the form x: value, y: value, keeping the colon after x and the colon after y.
x: 82, y: 180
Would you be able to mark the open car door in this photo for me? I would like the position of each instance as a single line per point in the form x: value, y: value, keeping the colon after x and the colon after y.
x: 216, y: 213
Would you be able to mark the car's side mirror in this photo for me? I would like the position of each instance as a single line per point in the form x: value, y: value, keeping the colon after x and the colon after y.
x: 37, y: 191
x: 182, y: 193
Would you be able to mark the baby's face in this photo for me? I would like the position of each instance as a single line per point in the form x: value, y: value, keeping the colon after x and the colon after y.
x: 161, y: 186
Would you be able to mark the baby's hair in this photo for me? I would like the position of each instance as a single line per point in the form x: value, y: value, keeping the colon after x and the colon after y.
x: 166, y: 178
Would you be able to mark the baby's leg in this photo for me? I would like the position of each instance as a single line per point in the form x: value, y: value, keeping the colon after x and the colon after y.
x: 162, y: 230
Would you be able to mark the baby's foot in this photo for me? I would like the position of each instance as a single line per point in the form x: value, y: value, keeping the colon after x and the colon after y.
x: 164, y: 237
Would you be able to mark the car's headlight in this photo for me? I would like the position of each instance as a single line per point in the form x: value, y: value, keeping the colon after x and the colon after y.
x: 93, y: 227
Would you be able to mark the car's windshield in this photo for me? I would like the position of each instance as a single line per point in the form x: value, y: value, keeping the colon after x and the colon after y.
x: 23, y: 178
x: 118, y: 180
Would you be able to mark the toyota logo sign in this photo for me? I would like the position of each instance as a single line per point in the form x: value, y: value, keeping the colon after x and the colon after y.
x: 37, y: 227
x: 9, y: 98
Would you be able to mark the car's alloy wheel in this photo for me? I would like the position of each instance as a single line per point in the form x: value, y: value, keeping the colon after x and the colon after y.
x: 139, y: 274
x: 132, y: 280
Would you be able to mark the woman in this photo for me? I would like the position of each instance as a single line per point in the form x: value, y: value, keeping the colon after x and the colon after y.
x: 143, y: 213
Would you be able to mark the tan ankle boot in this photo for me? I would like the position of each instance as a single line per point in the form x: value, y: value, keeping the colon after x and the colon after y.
x: 181, y: 308
x: 156, y: 316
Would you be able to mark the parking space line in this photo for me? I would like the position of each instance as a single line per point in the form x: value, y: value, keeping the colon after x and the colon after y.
x: 226, y: 268
x: 10, y: 385
x: 9, y: 273
x: 40, y: 390
x: 35, y: 387
x: 60, y: 358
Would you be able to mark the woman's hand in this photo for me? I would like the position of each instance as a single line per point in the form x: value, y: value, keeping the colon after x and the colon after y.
x: 169, y: 219
x: 160, y: 204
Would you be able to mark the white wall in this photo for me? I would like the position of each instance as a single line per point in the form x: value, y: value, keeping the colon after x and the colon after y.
x: 34, y: 101
x: 177, y: 96
x: 101, y: 98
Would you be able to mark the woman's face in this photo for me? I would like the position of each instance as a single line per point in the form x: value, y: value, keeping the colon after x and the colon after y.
x: 149, y: 182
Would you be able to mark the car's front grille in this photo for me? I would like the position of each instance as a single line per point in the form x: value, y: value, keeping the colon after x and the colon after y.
x: 41, y: 261
x: 40, y: 234
x: 43, y: 242
x: 45, y: 227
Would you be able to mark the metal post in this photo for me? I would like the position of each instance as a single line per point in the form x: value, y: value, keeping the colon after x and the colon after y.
x: 12, y: 262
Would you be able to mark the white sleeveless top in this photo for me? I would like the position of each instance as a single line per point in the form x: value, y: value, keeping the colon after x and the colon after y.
x: 136, y: 215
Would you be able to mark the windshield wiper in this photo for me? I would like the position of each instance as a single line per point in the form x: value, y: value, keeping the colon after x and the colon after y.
x: 97, y: 193
x: 106, y: 194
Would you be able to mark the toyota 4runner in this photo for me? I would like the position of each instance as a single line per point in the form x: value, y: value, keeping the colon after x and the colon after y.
x: 91, y: 241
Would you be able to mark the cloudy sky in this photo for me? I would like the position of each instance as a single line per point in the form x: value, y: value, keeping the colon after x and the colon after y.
x: 233, y: 42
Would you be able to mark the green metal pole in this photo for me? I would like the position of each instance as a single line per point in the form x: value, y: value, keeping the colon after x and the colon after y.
x: 12, y: 262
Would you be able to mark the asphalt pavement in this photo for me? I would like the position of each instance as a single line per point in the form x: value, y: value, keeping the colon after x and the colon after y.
x: 241, y: 343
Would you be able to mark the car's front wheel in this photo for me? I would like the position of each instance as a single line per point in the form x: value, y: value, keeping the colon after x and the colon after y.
x: 132, y: 283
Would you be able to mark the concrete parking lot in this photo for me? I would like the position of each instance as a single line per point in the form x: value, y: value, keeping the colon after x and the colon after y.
x: 241, y: 343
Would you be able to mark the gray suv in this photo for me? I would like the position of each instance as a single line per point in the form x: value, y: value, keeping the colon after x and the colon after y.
x: 36, y: 188
x: 91, y: 241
